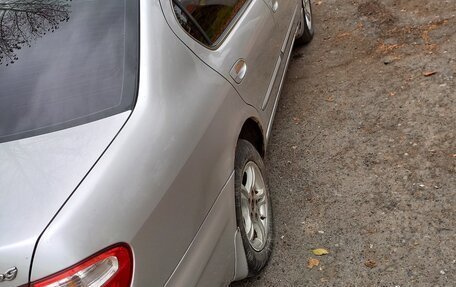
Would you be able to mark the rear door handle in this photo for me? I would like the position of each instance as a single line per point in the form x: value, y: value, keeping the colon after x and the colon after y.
x: 238, y: 71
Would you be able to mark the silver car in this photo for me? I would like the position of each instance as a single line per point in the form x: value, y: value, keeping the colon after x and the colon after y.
x: 132, y: 134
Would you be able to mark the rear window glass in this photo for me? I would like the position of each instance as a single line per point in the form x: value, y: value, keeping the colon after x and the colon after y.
x: 65, y: 63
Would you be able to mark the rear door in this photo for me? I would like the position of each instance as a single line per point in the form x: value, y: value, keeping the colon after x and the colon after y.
x: 283, y: 13
x: 237, y: 38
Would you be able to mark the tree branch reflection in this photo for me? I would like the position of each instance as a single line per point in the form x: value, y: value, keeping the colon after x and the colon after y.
x: 23, y: 21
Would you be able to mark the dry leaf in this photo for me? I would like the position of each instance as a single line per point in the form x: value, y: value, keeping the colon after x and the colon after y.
x: 428, y: 74
x: 312, y: 263
x: 330, y: 99
x: 320, y: 251
x: 370, y: 263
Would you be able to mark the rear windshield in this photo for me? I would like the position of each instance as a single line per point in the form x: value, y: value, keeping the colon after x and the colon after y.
x: 65, y: 63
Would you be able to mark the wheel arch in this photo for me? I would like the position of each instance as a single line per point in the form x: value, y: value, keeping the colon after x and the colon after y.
x: 252, y: 132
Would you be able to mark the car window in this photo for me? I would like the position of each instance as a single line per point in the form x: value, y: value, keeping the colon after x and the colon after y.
x: 65, y: 63
x: 207, y: 20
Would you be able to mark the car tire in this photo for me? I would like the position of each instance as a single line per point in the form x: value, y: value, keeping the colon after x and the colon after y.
x: 307, y: 31
x: 253, y: 206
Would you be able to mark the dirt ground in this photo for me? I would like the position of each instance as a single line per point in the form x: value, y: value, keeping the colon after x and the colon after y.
x: 362, y: 159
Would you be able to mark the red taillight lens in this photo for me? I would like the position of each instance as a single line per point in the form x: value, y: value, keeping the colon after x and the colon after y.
x: 112, y: 267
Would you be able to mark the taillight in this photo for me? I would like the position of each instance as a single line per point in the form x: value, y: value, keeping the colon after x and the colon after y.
x: 112, y: 267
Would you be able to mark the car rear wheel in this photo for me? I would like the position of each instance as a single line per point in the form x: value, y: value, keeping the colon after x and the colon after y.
x: 253, y: 206
x: 307, y: 29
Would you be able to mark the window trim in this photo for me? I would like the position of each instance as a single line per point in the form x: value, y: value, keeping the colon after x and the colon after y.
x: 225, y: 33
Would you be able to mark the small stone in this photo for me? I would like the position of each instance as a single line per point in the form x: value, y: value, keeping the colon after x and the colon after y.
x: 390, y: 269
x: 442, y: 272
x: 388, y: 60
x: 370, y: 263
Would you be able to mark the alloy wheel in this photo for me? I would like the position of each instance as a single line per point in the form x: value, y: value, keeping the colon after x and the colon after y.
x: 254, y: 206
x: 307, y: 13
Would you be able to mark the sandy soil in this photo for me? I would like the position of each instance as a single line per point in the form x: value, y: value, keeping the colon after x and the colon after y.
x: 362, y: 159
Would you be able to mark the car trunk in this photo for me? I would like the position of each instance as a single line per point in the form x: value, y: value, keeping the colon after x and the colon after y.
x: 38, y: 175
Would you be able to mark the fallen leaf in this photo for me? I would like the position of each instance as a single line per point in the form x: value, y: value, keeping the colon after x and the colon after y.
x: 428, y: 74
x: 312, y: 263
x: 370, y: 263
x: 330, y: 99
x: 320, y: 251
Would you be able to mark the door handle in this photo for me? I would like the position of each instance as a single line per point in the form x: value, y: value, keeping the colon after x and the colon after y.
x: 238, y: 71
x: 275, y: 5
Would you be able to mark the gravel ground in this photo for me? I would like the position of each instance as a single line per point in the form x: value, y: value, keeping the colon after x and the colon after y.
x: 362, y: 159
